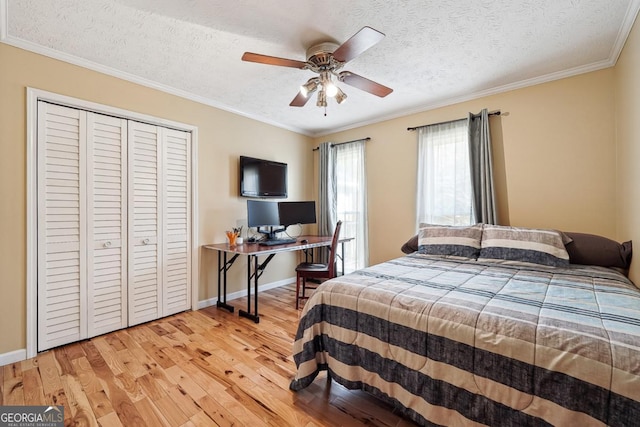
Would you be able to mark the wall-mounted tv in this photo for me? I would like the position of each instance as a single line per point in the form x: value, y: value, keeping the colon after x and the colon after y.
x: 262, y: 178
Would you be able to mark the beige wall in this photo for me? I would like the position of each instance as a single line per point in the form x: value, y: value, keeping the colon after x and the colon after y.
x: 565, y: 156
x: 554, y: 160
x: 627, y: 107
x: 222, y: 138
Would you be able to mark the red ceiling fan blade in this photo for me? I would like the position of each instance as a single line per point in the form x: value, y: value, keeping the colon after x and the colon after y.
x: 365, y: 84
x: 300, y: 100
x: 358, y: 43
x: 273, y: 60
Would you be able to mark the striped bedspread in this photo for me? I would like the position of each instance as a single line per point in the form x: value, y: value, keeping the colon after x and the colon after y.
x: 471, y: 343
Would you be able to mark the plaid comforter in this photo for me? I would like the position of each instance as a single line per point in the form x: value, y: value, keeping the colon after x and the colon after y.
x: 467, y: 343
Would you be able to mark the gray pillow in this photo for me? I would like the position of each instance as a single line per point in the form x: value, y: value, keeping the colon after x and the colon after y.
x: 449, y: 240
x: 530, y: 245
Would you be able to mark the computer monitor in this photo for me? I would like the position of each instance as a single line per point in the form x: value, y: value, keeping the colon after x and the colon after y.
x: 296, y: 213
x: 263, y: 214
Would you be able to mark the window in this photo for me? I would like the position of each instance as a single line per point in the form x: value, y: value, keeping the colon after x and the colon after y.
x: 444, y: 178
x: 351, y: 202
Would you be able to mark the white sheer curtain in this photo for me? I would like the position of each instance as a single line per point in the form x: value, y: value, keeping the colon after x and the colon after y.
x: 444, y: 180
x: 351, y: 201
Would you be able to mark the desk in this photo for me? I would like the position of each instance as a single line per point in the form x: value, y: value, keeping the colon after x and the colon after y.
x: 255, y: 268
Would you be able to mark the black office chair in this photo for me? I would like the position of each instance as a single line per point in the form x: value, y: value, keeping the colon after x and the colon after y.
x: 308, y: 270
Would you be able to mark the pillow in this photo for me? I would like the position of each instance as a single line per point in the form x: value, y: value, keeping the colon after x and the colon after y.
x: 410, y: 245
x: 589, y: 249
x: 451, y: 240
x: 530, y: 245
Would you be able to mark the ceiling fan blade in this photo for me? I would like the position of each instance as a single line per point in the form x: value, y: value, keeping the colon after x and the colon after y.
x: 365, y: 84
x: 358, y: 43
x: 300, y: 100
x: 272, y: 60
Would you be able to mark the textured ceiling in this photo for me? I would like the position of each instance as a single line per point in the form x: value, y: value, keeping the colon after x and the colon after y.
x: 435, y: 52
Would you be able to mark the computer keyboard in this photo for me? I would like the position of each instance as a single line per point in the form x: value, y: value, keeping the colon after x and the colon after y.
x: 275, y: 242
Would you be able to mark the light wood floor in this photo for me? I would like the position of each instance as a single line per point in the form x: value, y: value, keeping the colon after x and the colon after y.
x: 201, y: 368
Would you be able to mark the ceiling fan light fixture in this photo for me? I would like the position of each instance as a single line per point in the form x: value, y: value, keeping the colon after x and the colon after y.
x: 340, y: 96
x: 330, y: 89
x: 322, y: 98
x: 309, y: 87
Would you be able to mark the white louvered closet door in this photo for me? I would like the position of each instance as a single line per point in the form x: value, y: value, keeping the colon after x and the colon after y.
x: 160, y: 225
x: 81, y: 225
x: 145, y: 223
x: 106, y: 223
x: 177, y: 223
x: 61, y: 226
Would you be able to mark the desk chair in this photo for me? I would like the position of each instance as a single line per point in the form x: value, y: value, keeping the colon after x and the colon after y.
x: 308, y: 270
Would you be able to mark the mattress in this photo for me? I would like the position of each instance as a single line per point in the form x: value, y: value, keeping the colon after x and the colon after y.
x: 463, y: 342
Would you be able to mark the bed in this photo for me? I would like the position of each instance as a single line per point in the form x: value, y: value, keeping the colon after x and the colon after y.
x: 494, y: 326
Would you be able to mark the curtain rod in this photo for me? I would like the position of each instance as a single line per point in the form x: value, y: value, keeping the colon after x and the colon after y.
x: 347, y: 142
x: 492, y: 113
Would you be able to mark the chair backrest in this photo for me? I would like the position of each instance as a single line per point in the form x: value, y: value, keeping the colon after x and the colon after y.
x: 334, y: 249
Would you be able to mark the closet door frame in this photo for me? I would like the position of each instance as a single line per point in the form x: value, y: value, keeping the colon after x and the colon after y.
x: 35, y: 95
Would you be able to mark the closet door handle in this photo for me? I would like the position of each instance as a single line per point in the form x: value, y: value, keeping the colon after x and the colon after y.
x: 107, y: 244
x: 145, y: 242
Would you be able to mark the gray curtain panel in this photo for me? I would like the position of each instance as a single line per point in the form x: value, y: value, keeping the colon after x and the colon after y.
x: 327, y: 194
x: 484, y: 202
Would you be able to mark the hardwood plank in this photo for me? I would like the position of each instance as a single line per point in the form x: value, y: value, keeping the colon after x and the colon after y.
x: 180, y: 324
x: 184, y: 401
x: 109, y: 420
x: 201, y: 368
x: 218, y: 413
x: 157, y: 354
x: 201, y: 419
x: 114, y: 341
x: 100, y: 404
x: 182, y: 380
x: 64, y: 361
x: 79, y: 411
x: 150, y: 387
x: 109, y: 355
x: 171, y: 411
x: 13, y: 393
x: 218, y: 391
x: 85, y: 375
x: 131, y: 363
x: 59, y: 398
x: 49, y: 372
x: 32, y: 387
x: 120, y: 401
x: 127, y: 382
x: 150, y: 414
x: 73, y: 351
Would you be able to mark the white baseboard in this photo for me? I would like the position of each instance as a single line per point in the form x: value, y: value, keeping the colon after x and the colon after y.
x: 13, y: 356
x: 235, y: 295
x: 20, y: 355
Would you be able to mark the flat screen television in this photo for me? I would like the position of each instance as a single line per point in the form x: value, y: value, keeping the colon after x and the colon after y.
x: 262, y: 178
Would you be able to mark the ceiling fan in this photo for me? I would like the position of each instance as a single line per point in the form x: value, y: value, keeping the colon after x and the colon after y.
x: 327, y: 59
